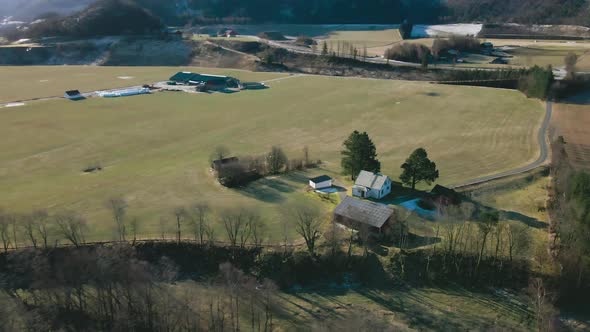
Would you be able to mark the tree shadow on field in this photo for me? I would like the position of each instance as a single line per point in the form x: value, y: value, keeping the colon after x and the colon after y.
x: 529, y: 221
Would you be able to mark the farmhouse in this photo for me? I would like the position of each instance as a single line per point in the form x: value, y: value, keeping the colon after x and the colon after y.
x: 357, y: 214
x: 216, y: 82
x: 231, y: 33
x: 320, y: 182
x: 371, y: 185
x: 73, y: 95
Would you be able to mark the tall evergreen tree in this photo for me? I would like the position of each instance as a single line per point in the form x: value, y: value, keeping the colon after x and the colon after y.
x: 418, y: 168
x: 359, y: 154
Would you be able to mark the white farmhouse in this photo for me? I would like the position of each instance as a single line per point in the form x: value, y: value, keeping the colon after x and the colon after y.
x: 371, y: 185
x: 320, y: 182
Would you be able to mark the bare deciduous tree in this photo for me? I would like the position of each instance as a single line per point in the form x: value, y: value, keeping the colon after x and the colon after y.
x: 199, y: 214
x: 238, y: 225
x: 29, y: 228
x: 118, y: 208
x: 307, y: 220
x: 5, y: 230
x: 72, y: 227
x: 180, y: 214
x: 42, y: 222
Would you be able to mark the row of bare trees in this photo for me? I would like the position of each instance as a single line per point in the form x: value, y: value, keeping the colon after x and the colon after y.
x: 112, y: 289
x: 39, y: 228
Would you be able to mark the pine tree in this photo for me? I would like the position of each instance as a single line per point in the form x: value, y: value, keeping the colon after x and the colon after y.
x: 359, y: 154
x: 325, y: 49
x: 418, y: 168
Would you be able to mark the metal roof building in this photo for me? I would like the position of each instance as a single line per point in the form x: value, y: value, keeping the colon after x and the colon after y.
x: 355, y: 213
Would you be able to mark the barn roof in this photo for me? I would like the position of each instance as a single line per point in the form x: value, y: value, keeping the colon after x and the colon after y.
x: 320, y: 178
x: 362, y: 211
x: 72, y: 92
x: 371, y: 180
x: 185, y: 76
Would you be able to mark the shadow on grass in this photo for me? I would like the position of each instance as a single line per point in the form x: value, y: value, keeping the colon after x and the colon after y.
x: 272, y: 189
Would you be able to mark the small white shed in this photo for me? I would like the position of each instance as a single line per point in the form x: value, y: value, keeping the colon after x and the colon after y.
x: 320, y: 182
x: 73, y: 95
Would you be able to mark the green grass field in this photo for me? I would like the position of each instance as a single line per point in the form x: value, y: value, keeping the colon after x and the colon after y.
x: 155, y: 148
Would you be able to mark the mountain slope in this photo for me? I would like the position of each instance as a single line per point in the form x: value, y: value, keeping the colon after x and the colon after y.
x: 106, y: 17
x: 28, y: 10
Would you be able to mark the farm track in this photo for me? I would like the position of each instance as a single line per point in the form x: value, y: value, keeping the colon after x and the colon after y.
x: 543, y: 147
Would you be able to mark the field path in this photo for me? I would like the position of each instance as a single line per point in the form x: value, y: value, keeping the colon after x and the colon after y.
x: 542, y: 137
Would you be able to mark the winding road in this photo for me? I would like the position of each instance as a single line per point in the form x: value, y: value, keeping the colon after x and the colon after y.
x: 544, y: 153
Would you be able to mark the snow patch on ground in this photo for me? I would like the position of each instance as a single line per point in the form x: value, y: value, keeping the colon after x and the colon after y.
x: 125, y: 77
x: 14, y: 104
x: 445, y: 30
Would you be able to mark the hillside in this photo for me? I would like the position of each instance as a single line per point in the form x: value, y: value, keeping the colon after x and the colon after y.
x: 104, y: 18
x: 521, y: 11
x: 28, y: 10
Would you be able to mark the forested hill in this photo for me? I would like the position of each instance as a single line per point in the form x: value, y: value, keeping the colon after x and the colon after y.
x: 520, y: 11
x: 105, y: 17
x: 373, y: 11
x: 112, y: 17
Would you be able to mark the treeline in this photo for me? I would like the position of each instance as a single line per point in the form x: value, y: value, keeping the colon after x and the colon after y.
x: 418, y: 53
x: 235, y: 172
x: 535, y: 82
x: 523, y: 11
x: 570, y: 214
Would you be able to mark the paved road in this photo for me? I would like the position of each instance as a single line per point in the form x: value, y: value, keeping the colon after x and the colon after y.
x: 542, y: 137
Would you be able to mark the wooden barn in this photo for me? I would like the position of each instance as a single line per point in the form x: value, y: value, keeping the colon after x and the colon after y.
x: 356, y: 214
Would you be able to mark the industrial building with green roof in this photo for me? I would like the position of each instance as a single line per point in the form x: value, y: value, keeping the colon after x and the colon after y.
x: 212, y: 80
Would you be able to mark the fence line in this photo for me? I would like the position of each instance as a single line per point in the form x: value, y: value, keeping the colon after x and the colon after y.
x: 219, y: 244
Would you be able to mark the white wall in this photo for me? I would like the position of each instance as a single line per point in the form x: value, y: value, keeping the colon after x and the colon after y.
x: 321, y: 185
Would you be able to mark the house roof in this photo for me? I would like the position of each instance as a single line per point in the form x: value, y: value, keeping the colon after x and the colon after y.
x: 184, y: 76
x: 321, y: 178
x: 371, y: 180
x: 362, y: 211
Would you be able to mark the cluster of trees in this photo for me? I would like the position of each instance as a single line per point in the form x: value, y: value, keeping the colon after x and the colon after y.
x: 535, y: 82
x: 524, y: 11
x: 411, y: 52
x: 246, y: 169
x: 360, y: 154
x: 408, y: 52
x: 116, y: 289
x: 459, y: 43
x: 343, y: 49
x: 569, y: 208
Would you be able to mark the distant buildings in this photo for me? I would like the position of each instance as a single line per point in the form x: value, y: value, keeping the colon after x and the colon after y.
x: 371, y: 185
x: 212, y: 82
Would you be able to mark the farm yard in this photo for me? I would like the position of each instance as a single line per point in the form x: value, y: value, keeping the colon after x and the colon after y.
x: 24, y: 83
x: 157, y: 156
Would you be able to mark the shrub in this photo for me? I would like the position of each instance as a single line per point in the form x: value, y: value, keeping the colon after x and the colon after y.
x: 408, y: 52
x: 459, y: 43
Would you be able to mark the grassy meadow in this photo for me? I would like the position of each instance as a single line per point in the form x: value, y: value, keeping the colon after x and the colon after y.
x: 155, y: 148
x: 23, y: 83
